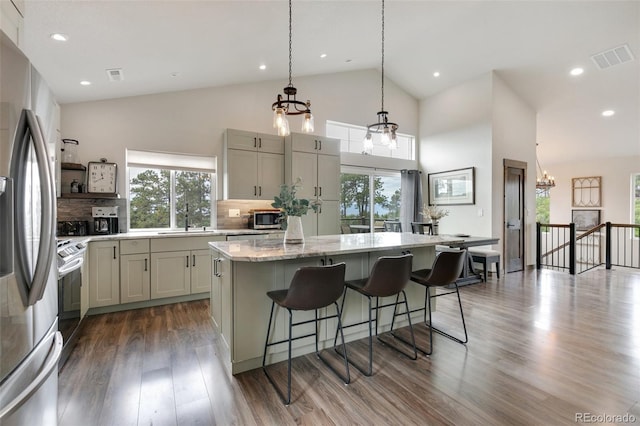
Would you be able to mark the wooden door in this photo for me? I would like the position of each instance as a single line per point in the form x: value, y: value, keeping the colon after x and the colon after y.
x: 514, y: 220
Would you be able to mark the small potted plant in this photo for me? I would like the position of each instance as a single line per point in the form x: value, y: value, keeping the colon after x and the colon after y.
x: 434, y: 213
x: 293, y: 209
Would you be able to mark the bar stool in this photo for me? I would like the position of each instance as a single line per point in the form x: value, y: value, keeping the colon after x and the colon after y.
x: 311, y: 288
x: 445, y: 271
x: 419, y: 228
x: 388, y: 277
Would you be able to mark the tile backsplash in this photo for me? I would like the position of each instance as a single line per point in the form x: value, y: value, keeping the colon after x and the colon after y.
x: 71, y: 209
x: 226, y: 222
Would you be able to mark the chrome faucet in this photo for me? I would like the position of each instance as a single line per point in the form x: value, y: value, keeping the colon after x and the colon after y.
x: 186, y: 218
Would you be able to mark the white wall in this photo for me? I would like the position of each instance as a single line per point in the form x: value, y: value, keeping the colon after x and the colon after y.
x: 455, y: 133
x: 514, y: 138
x: 616, y: 188
x: 479, y: 123
x: 194, y: 121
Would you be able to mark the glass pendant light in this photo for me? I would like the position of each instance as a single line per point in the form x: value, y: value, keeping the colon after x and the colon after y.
x: 283, y: 107
x: 383, y: 126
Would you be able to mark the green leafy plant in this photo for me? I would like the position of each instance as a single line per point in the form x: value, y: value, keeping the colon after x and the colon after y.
x: 290, y: 205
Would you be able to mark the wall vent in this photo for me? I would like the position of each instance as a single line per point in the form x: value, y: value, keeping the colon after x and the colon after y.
x: 616, y: 56
x: 115, y: 74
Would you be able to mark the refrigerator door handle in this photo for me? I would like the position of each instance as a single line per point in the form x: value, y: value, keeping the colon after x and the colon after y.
x: 30, y: 128
x: 50, y: 365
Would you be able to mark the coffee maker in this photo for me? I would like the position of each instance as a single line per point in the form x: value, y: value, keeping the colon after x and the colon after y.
x: 105, y: 220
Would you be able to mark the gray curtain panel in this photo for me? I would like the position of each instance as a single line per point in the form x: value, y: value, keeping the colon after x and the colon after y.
x: 411, y: 200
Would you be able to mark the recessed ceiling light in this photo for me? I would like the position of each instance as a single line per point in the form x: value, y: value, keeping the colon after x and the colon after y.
x: 324, y: 55
x: 85, y: 83
x: 576, y: 71
x: 59, y: 37
x: 174, y: 74
x: 348, y: 60
x: 436, y: 74
x: 608, y: 113
x: 263, y: 67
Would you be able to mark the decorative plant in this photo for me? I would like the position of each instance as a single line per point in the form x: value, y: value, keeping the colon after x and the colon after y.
x: 433, y: 212
x: 290, y: 205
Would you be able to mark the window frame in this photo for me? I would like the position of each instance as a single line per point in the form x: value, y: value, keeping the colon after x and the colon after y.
x: 172, y: 162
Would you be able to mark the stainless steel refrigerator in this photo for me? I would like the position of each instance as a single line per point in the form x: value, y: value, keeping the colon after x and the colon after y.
x: 30, y: 344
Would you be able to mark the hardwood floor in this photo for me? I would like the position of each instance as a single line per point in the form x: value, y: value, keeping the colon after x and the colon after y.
x: 543, y: 347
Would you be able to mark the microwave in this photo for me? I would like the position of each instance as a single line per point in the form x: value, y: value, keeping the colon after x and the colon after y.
x: 265, y: 219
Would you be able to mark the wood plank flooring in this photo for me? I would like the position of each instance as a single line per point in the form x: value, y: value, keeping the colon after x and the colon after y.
x: 543, y: 346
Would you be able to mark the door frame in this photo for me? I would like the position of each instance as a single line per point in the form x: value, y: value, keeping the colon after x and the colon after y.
x: 515, y: 164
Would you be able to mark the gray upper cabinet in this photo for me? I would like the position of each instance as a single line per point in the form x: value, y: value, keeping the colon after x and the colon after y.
x: 253, y: 165
x: 316, y: 160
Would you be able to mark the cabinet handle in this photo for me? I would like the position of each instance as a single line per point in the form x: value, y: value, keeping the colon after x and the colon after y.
x: 187, y: 261
x: 259, y: 190
x: 322, y: 262
x: 255, y: 145
x: 320, y: 192
x: 330, y: 261
x: 255, y: 190
x: 259, y: 142
x: 215, y: 267
x: 145, y: 264
x: 114, y: 252
x: 315, y: 191
x: 320, y: 142
x: 316, y: 142
x: 194, y: 261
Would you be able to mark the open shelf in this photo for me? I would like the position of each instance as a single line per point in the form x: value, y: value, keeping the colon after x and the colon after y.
x: 88, y: 195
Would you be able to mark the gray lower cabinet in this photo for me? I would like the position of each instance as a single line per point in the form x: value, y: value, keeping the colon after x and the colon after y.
x: 135, y: 271
x: 104, y: 273
x: 170, y: 274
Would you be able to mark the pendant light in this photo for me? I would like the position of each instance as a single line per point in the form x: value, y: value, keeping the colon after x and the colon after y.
x: 544, y: 182
x: 386, y: 128
x: 291, y: 106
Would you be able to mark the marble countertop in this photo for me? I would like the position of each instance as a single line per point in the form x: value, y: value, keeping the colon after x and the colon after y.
x: 172, y: 234
x: 326, y: 245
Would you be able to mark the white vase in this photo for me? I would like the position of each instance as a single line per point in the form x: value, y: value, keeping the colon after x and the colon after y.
x: 294, y: 233
x: 434, y: 227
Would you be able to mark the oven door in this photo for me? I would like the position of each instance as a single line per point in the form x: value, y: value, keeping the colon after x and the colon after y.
x: 69, y: 294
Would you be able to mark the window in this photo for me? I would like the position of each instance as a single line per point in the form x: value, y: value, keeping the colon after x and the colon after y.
x: 170, y: 191
x: 635, y: 179
x: 542, y: 205
x: 368, y: 196
x: 352, y: 137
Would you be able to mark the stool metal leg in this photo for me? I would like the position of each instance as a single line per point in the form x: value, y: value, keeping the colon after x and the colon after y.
x: 464, y: 325
x: 286, y: 400
x: 345, y: 378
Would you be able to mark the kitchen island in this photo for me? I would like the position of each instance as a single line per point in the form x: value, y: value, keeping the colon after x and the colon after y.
x: 245, y: 270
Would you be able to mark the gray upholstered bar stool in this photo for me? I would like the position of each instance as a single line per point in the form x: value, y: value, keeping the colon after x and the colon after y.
x: 388, y: 277
x: 311, y: 288
x: 445, y: 271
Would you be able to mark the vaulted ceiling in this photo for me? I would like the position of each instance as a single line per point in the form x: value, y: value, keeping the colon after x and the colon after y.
x: 176, y: 45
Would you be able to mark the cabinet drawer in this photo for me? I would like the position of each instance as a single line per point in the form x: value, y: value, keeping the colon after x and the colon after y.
x: 183, y: 243
x: 134, y: 246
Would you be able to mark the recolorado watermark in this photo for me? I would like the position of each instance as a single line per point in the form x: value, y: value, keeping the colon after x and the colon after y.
x: 605, y: 418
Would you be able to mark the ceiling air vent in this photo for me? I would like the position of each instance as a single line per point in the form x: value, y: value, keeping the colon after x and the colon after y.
x: 115, y: 74
x: 616, y: 56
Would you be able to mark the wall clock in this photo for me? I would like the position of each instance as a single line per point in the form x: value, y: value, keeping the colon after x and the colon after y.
x: 102, y: 177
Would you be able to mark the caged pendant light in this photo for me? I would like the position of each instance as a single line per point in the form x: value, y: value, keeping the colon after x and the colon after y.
x: 283, y: 107
x: 386, y: 128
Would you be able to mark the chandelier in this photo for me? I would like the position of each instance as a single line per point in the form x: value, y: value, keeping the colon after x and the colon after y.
x: 544, y: 182
x: 290, y: 106
x: 383, y: 126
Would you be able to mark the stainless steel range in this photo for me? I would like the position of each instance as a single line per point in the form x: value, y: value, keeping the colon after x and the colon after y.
x: 70, y: 260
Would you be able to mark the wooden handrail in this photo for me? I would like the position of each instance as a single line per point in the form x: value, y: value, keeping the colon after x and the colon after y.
x: 579, y: 237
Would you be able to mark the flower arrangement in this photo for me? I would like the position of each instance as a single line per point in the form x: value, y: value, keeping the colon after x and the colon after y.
x: 434, y: 213
x: 290, y: 205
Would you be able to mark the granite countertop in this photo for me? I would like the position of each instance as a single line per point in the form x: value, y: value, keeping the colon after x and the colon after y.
x: 173, y: 234
x: 325, y: 245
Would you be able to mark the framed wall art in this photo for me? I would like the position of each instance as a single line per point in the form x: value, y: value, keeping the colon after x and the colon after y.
x: 585, y: 219
x: 586, y: 191
x: 453, y: 187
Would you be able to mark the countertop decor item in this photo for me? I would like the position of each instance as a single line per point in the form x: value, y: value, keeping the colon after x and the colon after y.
x: 434, y: 213
x: 383, y: 126
x: 291, y: 106
x: 293, y: 209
